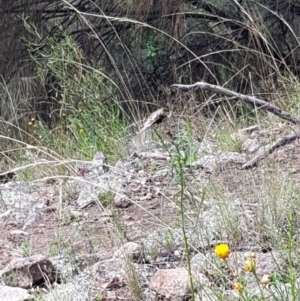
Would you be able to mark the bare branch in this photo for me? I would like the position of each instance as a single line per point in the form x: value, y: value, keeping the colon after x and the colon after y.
x: 256, y: 102
x: 281, y: 142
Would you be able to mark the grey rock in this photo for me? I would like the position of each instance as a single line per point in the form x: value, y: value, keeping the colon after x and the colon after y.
x: 78, y: 290
x: 266, y: 263
x: 251, y: 145
x: 121, y: 201
x: 23, y: 199
x: 204, y: 263
x: 130, y: 250
x: 208, y: 231
x: 213, y: 162
x: 206, y: 147
x: 94, y: 168
x: 8, y: 293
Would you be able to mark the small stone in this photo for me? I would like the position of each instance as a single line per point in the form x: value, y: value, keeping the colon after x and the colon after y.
x: 130, y: 250
x: 121, y: 201
x: 251, y: 145
x: 172, y: 283
x: 8, y: 293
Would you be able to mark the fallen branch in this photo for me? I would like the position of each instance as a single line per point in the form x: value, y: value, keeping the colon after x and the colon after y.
x: 256, y: 102
x: 281, y: 142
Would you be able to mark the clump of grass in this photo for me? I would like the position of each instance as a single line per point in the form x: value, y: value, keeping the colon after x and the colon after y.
x: 132, y: 280
x: 228, y: 140
x: 27, y: 247
x: 86, y: 116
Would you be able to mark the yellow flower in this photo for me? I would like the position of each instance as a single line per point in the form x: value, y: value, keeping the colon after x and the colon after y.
x: 237, y: 286
x: 222, y: 251
x: 30, y: 123
x: 250, y: 265
x: 266, y: 279
x: 63, y: 114
x: 81, y: 131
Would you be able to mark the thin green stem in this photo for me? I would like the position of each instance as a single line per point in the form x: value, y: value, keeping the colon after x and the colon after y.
x: 180, y: 167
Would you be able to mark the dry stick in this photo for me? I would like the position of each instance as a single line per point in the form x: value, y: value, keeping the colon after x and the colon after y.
x: 281, y: 142
x: 260, y: 104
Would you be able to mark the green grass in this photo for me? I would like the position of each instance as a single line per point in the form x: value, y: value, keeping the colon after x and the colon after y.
x: 229, y: 140
x: 86, y: 115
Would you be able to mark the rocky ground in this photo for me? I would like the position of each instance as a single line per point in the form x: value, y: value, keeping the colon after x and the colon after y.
x: 116, y: 233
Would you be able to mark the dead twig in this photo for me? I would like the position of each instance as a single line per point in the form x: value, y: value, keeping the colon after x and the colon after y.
x: 281, y: 142
x: 256, y: 102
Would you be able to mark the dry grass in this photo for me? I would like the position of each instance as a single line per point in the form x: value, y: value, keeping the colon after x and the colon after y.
x: 256, y: 209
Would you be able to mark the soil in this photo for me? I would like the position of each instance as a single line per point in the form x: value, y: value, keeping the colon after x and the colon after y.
x: 99, y: 230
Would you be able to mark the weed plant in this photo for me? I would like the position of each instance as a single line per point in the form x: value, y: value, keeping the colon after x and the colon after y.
x: 85, y: 116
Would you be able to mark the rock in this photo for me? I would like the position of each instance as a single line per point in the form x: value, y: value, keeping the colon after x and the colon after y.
x: 203, y: 263
x: 87, y: 196
x: 171, y: 283
x: 121, y: 201
x: 200, y: 280
x: 26, y: 272
x: 130, y: 250
x: 266, y: 263
x: 208, y: 223
x: 8, y: 293
x: 213, y: 162
x: 78, y: 290
x: 251, y: 145
x: 24, y: 199
x: 93, y: 168
x: 205, y: 147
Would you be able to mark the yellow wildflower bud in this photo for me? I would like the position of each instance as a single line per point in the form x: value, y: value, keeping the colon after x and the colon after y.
x: 63, y: 114
x: 30, y: 123
x: 237, y: 286
x: 266, y: 279
x: 222, y: 251
x: 252, y: 255
x: 33, y: 119
x: 250, y: 265
x: 81, y: 131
